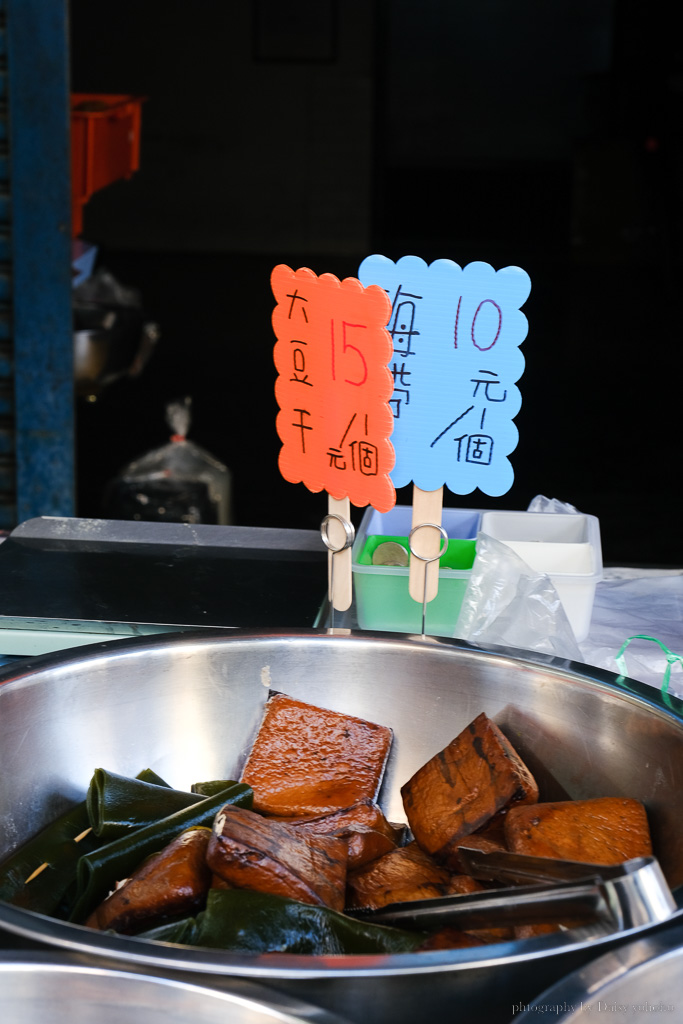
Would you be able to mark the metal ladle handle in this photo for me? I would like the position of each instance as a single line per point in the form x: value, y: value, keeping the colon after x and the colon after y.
x: 427, y: 560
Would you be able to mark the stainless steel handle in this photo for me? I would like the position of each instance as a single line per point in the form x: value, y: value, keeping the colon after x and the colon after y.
x: 539, y: 904
x: 636, y: 894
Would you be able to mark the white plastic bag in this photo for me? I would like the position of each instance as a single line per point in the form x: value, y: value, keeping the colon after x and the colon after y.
x: 508, y: 604
x: 180, y: 482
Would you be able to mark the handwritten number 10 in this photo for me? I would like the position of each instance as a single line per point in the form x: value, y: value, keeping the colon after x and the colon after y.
x: 482, y: 348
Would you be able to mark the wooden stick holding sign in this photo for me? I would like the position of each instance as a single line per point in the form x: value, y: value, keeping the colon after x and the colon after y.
x: 426, y: 542
x: 333, y: 391
x: 338, y: 534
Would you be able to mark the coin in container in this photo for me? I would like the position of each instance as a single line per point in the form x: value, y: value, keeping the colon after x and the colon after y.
x: 390, y: 553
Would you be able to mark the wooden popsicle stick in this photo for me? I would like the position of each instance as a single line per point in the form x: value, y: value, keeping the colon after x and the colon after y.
x: 339, y: 561
x: 427, y: 508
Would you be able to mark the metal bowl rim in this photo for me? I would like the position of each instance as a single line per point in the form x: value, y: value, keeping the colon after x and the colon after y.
x: 253, y: 997
x: 624, y: 686
x: 634, y: 956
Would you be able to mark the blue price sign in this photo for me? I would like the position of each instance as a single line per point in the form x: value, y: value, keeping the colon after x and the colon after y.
x: 456, y: 361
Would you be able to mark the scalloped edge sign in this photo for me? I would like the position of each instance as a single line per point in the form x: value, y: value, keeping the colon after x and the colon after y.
x: 334, y: 385
x: 455, y: 364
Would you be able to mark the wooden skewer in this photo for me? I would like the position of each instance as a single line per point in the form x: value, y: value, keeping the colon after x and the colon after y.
x: 46, y: 864
x: 36, y: 872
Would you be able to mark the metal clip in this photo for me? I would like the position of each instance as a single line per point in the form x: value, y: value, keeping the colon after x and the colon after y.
x: 426, y: 560
x: 349, y: 536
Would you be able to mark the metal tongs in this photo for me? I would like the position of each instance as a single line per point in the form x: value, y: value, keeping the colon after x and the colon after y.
x: 619, y: 897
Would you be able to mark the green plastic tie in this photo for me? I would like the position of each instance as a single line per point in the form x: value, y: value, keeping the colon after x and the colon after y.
x: 671, y: 658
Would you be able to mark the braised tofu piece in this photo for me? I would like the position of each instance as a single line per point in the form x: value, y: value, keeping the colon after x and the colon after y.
x: 484, y: 843
x: 174, y: 881
x: 450, y: 938
x: 410, y: 874
x: 307, y: 760
x: 406, y: 873
x: 462, y: 884
x: 604, y: 830
x: 461, y: 789
x: 363, y: 826
x: 219, y: 883
x: 364, y: 845
x: 252, y: 852
x: 364, y: 812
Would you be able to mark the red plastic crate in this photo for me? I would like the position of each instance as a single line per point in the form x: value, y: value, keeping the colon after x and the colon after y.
x: 105, y: 145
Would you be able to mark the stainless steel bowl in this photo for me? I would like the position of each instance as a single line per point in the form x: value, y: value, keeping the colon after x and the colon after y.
x: 639, y: 982
x: 189, y: 705
x: 36, y: 987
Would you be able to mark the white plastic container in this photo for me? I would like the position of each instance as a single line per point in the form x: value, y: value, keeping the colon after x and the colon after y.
x: 565, y: 546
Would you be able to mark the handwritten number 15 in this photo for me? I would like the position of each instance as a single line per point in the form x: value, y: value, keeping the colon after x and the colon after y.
x: 346, y: 347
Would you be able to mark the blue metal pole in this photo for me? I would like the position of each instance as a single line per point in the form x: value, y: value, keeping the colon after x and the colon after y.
x: 40, y: 255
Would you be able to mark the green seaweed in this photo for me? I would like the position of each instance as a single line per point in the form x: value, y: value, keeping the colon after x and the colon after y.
x: 118, y: 805
x: 254, y: 922
x: 41, y: 875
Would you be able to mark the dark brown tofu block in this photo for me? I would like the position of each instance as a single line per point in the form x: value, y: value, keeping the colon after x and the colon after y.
x: 363, y: 826
x: 308, y: 760
x: 478, y: 842
x: 364, y: 845
x: 458, y: 791
x: 364, y: 812
x: 450, y: 938
x: 253, y: 852
x: 219, y: 883
x: 604, y: 830
x: 406, y: 873
x: 173, y: 881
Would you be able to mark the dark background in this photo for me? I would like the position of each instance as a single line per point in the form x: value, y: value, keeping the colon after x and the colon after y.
x: 312, y: 133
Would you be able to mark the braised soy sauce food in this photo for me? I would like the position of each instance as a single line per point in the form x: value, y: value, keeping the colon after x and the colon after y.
x: 275, y: 861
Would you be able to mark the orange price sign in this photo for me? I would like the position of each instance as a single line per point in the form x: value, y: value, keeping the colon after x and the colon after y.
x: 334, y: 385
